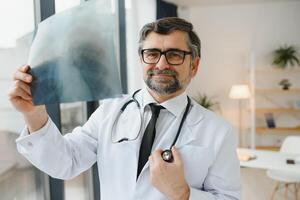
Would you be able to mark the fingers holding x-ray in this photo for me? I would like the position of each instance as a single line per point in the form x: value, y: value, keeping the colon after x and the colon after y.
x: 22, y: 75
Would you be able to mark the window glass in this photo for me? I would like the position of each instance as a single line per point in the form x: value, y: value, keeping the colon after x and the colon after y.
x: 61, y: 5
x: 18, y: 178
x: 73, y: 115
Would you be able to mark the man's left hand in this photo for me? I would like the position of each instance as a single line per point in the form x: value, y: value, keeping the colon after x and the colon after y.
x: 168, y: 178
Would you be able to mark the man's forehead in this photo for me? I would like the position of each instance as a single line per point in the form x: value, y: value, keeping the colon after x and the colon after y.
x: 175, y: 39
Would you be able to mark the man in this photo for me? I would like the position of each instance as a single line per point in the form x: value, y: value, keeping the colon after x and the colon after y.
x: 204, y: 163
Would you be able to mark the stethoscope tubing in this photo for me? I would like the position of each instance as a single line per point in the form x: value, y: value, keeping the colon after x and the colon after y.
x: 122, y: 109
x: 167, y: 153
x: 182, y: 121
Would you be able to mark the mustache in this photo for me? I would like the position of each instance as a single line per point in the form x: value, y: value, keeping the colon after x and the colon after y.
x: 152, y: 72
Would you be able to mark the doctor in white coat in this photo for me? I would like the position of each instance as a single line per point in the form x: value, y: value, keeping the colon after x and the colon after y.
x: 204, y: 166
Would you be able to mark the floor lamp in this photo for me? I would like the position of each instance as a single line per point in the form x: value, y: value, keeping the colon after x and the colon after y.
x: 240, y: 92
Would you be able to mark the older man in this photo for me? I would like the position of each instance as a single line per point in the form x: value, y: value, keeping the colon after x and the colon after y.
x: 129, y: 146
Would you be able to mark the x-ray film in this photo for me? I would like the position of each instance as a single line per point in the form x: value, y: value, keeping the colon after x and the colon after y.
x: 73, y: 56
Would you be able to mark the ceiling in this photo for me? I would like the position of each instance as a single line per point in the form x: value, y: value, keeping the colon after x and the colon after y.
x: 188, y: 3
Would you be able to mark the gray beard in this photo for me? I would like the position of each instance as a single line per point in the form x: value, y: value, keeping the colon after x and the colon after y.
x: 163, y: 87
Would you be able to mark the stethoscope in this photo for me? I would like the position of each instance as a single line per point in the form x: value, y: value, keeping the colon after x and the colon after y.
x: 167, y: 153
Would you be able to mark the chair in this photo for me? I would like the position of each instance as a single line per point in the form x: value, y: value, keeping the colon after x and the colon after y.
x: 291, y: 144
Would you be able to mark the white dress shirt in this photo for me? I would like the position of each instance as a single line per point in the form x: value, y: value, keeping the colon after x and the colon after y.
x: 206, y: 143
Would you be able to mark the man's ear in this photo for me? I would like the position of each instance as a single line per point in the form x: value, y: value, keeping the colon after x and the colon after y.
x: 195, y: 65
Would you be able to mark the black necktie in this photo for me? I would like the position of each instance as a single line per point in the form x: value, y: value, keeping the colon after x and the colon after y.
x: 148, y: 138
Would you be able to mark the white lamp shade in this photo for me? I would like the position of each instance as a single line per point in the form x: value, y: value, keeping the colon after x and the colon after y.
x: 239, y: 92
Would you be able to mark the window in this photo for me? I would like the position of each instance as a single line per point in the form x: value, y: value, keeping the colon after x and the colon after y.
x: 72, y: 115
x: 61, y: 5
x: 18, y: 178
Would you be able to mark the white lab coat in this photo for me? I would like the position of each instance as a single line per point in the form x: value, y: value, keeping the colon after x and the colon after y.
x: 206, y: 144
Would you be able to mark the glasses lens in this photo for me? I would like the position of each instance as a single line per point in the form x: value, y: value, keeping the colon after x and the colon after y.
x: 175, y: 57
x: 151, y: 56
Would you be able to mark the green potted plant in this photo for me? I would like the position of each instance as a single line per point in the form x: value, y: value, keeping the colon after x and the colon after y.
x: 286, y: 56
x: 285, y: 83
x: 205, y: 101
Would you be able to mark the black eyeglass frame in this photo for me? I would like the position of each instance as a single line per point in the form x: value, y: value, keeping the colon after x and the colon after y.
x: 165, y: 53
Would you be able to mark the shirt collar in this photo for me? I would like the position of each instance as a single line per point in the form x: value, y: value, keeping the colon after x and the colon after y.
x: 175, y: 105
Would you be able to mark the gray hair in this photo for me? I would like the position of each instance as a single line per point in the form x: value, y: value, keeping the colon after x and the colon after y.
x: 169, y: 24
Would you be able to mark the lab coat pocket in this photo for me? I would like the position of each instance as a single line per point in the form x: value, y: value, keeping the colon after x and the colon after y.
x: 196, y: 162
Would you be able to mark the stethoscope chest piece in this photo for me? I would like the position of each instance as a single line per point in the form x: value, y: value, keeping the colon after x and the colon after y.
x: 167, y: 155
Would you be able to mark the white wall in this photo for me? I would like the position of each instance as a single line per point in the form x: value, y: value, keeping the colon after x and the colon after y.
x: 229, y: 34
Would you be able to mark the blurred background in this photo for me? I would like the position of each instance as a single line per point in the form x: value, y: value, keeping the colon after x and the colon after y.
x: 248, y: 74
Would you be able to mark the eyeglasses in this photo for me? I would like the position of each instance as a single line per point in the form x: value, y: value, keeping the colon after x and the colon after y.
x: 173, y: 56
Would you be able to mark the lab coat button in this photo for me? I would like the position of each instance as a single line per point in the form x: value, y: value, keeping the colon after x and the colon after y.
x: 29, y: 144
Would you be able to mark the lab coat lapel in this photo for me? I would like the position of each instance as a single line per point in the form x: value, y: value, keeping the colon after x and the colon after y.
x: 195, y: 117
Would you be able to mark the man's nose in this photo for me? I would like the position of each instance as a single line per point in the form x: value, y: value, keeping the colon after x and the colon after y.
x: 162, y: 63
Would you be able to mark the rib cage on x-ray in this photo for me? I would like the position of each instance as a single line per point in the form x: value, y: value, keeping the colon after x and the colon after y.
x: 73, y: 56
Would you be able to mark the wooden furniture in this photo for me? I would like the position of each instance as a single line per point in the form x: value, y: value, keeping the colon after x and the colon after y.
x: 269, y: 98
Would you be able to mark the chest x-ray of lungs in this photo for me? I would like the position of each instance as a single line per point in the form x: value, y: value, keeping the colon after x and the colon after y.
x: 73, y: 56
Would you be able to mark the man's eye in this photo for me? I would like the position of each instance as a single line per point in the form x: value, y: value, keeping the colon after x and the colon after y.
x: 152, y: 54
x: 175, y: 55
